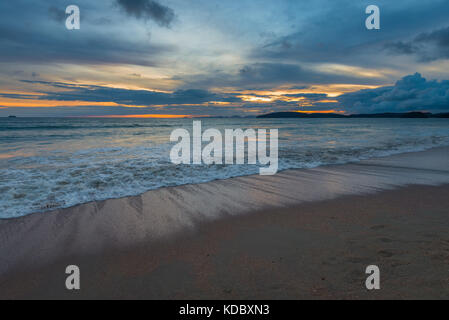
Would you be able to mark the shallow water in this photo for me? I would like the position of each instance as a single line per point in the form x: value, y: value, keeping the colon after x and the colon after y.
x: 53, y: 163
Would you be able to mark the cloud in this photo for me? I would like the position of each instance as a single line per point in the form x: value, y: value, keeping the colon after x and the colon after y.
x: 57, y: 14
x: 35, y: 33
x: 411, y: 93
x: 428, y: 46
x: 335, y: 32
x: 86, y: 48
x: 148, y: 10
x: 91, y: 93
x: 267, y: 75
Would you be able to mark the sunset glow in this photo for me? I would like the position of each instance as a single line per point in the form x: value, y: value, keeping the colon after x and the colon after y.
x: 144, y: 116
x: 320, y: 111
x: 189, y: 66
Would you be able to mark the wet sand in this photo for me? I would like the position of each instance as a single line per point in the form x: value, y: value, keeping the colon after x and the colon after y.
x: 297, y: 235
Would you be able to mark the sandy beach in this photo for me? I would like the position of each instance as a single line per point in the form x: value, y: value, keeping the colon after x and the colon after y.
x: 301, y: 234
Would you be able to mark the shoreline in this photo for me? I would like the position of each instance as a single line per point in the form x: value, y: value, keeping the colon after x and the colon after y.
x: 363, y: 161
x: 139, y: 227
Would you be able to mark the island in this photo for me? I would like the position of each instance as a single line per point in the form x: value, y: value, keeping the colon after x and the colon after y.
x: 293, y: 114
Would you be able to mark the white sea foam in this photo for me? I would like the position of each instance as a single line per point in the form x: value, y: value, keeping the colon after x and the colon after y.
x: 53, y: 163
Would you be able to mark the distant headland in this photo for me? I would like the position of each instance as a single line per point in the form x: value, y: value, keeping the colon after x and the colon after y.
x: 337, y: 115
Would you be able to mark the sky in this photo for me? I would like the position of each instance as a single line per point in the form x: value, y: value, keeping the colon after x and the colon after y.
x: 176, y: 58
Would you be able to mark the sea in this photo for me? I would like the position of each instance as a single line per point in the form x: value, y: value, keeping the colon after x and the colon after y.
x: 49, y: 163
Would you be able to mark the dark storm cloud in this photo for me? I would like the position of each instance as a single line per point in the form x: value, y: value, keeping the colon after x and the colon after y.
x: 401, y: 47
x: 92, y: 93
x: 411, y: 93
x: 327, y: 38
x: 26, y: 46
x: 35, y: 32
x: 148, y: 10
x: 337, y: 33
x: 262, y: 72
x: 81, y: 51
x: 297, y: 87
x: 428, y: 46
x: 19, y: 96
x: 268, y: 75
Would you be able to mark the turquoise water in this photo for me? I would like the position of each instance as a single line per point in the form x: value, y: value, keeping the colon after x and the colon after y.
x: 48, y: 163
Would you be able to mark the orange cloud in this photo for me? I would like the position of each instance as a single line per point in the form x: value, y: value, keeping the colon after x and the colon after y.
x: 30, y: 103
x: 327, y: 101
x: 7, y: 102
x: 332, y: 90
x: 255, y: 98
x: 145, y: 116
x: 319, y: 111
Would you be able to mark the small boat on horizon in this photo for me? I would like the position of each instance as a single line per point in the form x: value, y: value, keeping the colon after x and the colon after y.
x: 12, y: 116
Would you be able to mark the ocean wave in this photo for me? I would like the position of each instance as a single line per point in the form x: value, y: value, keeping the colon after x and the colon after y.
x: 38, y: 175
